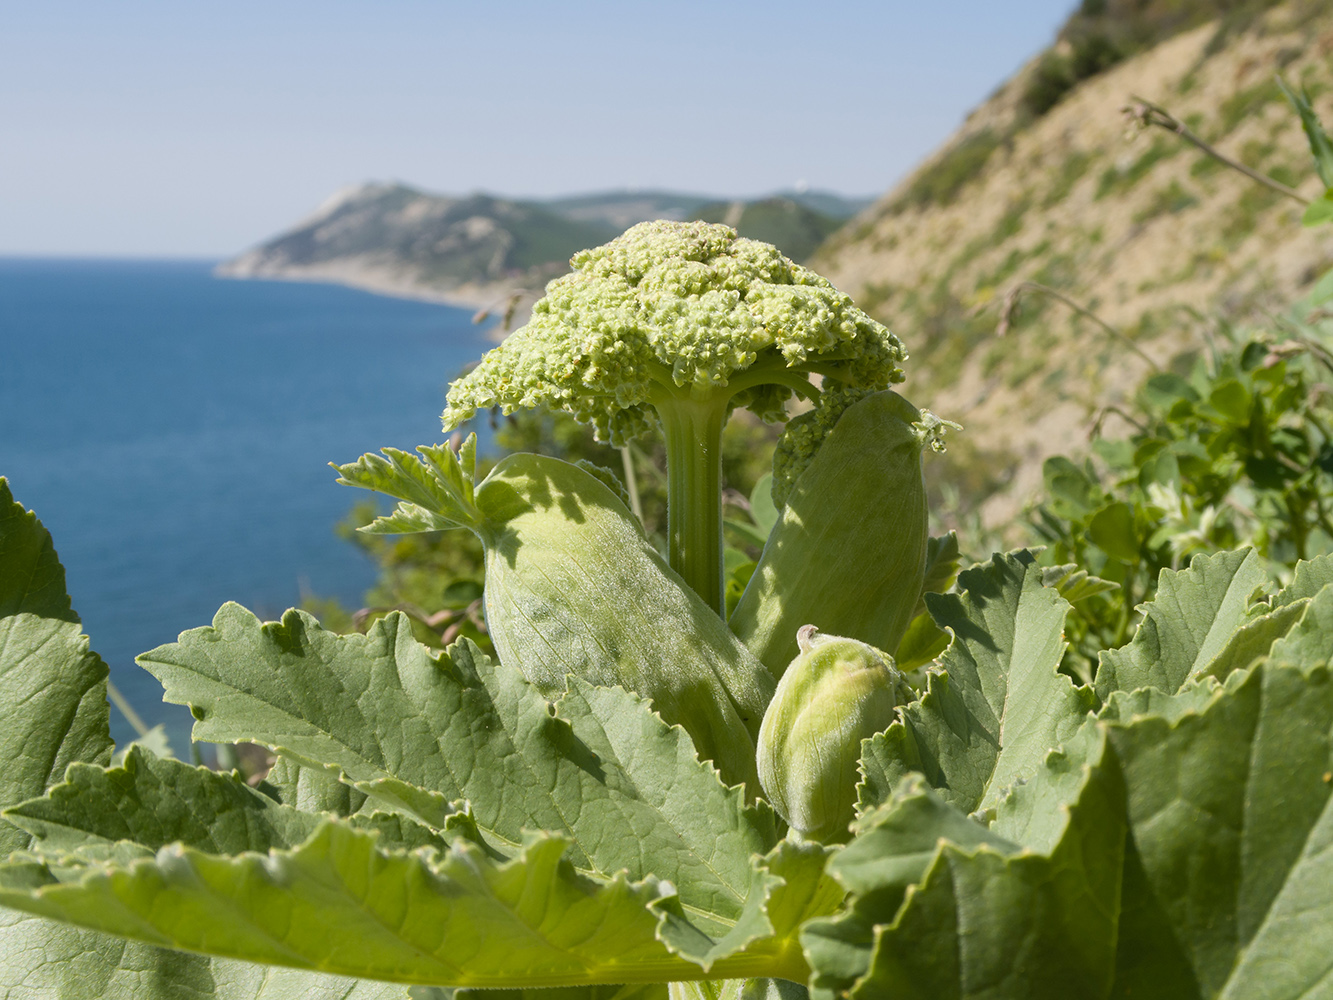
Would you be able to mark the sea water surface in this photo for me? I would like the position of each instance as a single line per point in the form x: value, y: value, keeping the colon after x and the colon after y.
x: 173, y: 430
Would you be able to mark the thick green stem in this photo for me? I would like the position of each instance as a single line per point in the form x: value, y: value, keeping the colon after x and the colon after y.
x: 693, y: 432
x: 692, y: 421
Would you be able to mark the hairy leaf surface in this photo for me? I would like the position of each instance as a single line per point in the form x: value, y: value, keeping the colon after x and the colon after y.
x: 999, y: 704
x: 1188, y: 624
x: 337, y: 904
x: 420, y: 730
x: 1229, y: 869
x: 944, y: 906
x: 848, y: 552
x: 574, y: 588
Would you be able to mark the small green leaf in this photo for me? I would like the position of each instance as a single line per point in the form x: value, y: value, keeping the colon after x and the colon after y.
x: 1232, y: 400
x: 1310, y: 642
x: 942, y: 562
x: 1074, y: 491
x: 1112, y: 530
x: 1253, y: 640
x: 922, y: 643
x: 762, y: 508
x: 1319, y: 211
x: 1322, y: 292
x: 1163, y: 468
x: 1075, y: 584
x: 1311, y: 576
x: 435, y: 492
x: 1165, y: 389
x: 1321, y: 145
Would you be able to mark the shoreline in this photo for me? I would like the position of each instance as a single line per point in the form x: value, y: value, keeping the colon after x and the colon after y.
x: 370, y: 283
x: 487, y: 299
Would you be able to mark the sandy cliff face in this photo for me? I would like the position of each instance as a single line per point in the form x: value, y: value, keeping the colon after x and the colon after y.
x: 1157, y: 239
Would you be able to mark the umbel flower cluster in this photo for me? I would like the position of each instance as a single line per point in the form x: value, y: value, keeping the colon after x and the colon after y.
x: 678, y: 310
x: 677, y: 324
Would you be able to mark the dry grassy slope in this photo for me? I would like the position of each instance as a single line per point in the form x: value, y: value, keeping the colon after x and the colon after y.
x: 1137, y: 226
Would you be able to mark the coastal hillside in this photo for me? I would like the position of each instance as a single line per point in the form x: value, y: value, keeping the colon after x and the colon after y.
x: 395, y: 239
x: 1050, y: 182
x: 480, y: 249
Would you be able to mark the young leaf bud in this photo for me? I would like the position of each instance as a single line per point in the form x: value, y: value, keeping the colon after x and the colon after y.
x: 836, y: 693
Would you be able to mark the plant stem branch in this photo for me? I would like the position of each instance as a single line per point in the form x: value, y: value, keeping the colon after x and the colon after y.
x: 1146, y: 113
x: 1011, y: 302
x: 631, y: 483
x: 126, y: 709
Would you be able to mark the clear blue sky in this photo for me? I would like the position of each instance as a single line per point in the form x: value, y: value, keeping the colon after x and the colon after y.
x: 192, y: 128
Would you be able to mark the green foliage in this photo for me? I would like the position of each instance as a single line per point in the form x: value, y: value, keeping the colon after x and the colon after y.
x: 839, y: 499
x: 552, y: 531
x: 1237, y: 453
x: 1058, y: 73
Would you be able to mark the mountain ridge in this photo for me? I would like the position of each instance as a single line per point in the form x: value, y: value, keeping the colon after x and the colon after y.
x: 479, y: 250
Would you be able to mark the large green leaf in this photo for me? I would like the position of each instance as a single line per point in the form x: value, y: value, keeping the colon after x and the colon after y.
x: 999, y: 704
x: 337, y: 904
x: 125, y: 818
x: 942, y: 906
x: 41, y: 960
x: 1229, y: 868
x: 1255, y: 638
x: 630, y: 991
x: 53, y: 713
x: 153, y: 802
x: 419, y: 730
x: 1187, y: 625
x: 53, y: 708
x: 848, y: 552
x: 573, y: 587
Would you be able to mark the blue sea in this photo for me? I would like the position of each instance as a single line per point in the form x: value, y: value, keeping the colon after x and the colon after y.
x: 173, y: 430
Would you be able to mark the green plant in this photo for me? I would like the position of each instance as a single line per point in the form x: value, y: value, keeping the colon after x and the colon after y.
x: 446, y: 819
x: 680, y: 324
x: 1237, y: 453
